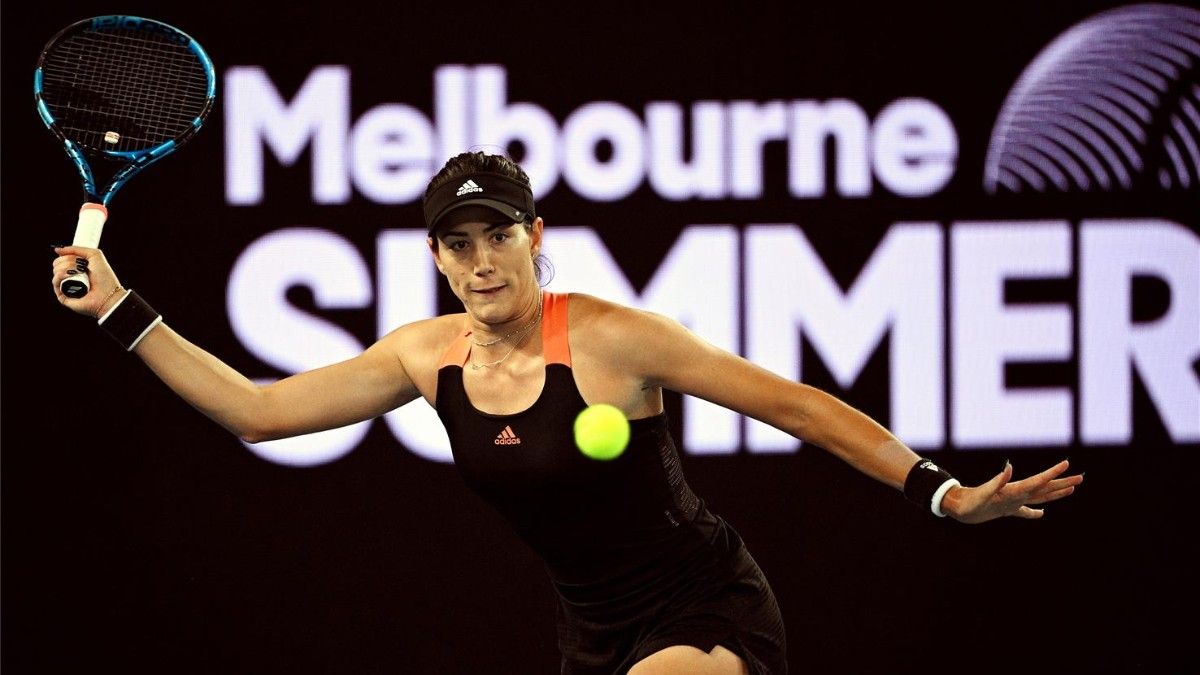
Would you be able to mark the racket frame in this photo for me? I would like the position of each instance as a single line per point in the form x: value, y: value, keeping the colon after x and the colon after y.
x: 91, y: 220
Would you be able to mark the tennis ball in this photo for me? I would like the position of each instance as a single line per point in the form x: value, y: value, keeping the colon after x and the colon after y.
x: 601, y: 431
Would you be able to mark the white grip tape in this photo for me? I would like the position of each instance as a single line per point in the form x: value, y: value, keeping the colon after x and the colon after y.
x: 90, y: 225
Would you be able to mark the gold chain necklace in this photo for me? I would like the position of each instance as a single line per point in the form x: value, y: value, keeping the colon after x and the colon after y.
x: 523, y: 331
x: 519, y: 330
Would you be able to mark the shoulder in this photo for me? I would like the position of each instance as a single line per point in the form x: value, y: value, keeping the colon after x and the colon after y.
x: 593, y: 313
x: 426, y: 339
x: 605, y: 325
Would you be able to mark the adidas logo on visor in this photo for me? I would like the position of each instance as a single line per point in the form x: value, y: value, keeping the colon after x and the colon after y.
x: 468, y: 187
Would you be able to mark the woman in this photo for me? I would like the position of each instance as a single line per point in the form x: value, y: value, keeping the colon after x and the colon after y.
x: 648, y: 579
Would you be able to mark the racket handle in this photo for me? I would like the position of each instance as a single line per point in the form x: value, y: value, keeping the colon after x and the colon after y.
x: 87, y: 234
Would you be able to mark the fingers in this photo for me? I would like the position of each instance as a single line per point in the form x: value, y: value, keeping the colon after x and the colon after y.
x: 1038, y: 481
x: 1000, y: 496
x: 1053, y: 471
x: 1051, y: 496
x: 1045, y: 487
x: 63, y: 267
x: 1060, y: 483
x: 997, y: 483
x: 79, y: 257
x: 78, y: 251
x: 1005, y: 474
x: 1055, y: 489
x: 1028, y: 513
x: 75, y: 260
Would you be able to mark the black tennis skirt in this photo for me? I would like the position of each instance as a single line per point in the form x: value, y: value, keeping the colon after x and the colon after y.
x: 718, y: 596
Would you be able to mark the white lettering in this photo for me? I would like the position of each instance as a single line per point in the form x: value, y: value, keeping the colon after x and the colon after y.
x: 790, y: 291
x: 392, y: 147
x: 255, y: 113
x: 913, y: 147
x: 594, y: 178
x: 670, y: 175
x: 812, y: 123
x: 604, y: 150
x: 451, y: 93
x: 986, y: 334
x: 282, y: 336
x: 1163, y: 352
x: 498, y: 123
x: 753, y: 125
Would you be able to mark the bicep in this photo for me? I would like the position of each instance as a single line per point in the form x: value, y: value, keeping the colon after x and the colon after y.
x: 661, y: 352
x: 683, y: 362
x: 677, y: 359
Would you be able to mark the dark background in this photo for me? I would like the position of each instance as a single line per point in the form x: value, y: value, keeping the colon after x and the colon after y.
x: 139, y: 536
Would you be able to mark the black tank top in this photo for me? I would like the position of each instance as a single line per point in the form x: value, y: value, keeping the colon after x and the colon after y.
x: 607, y: 530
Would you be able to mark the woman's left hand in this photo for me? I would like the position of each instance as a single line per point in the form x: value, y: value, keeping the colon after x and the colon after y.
x: 1001, y: 496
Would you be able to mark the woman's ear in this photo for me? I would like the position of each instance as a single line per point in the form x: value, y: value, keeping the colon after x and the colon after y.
x: 535, y: 233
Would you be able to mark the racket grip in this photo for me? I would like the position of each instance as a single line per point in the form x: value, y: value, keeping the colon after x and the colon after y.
x: 87, y: 234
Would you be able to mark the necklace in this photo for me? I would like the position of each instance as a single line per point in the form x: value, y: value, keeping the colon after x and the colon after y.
x: 522, y: 329
x: 517, y: 343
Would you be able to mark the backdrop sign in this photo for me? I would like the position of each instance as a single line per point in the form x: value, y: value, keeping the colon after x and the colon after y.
x: 1111, y: 105
x: 977, y: 223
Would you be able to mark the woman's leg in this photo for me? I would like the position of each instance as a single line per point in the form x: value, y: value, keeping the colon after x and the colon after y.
x: 681, y: 660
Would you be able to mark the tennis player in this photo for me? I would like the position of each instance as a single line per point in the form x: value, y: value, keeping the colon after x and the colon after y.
x: 649, y: 580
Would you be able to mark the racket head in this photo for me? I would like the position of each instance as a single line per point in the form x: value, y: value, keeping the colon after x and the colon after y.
x: 122, y: 88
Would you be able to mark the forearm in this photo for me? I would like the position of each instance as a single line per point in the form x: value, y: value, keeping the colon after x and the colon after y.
x: 204, y: 381
x: 856, y: 438
x: 342, y: 393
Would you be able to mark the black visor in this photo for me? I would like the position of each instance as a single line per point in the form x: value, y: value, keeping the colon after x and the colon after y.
x: 506, y: 196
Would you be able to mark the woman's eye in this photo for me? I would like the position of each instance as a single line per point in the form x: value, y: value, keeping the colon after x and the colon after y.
x: 458, y: 245
x: 499, y: 237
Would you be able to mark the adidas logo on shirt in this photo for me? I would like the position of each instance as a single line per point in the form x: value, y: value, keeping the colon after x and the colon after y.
x: 507, y: 437
x: 469, y: 186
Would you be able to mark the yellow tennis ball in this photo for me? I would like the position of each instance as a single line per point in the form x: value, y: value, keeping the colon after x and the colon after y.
x: 602, y: 431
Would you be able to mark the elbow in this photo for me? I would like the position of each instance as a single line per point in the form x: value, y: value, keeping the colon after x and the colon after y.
x: 257, y: 434
x: 251, y: 431
x: 250, y: 421
x: 252, y: 438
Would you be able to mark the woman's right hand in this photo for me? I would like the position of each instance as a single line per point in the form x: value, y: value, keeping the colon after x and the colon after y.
x: 105, y: 288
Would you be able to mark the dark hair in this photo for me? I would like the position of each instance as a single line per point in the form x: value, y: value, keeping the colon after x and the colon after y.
x: 477, y: 161
x: 466, y: 163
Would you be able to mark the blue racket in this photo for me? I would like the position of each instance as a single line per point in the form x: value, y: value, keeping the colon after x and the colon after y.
x: 119, y: 93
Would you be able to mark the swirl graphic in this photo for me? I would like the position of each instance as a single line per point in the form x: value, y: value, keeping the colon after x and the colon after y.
x: 1112, y: 103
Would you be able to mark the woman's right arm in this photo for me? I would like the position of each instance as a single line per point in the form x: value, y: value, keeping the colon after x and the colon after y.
x: 357, y: 389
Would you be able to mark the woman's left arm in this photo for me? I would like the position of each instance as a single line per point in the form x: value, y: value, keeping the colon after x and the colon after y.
x: 670, y: 356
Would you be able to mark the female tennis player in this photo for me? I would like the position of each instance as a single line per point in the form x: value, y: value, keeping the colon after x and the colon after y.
x: 649, y: 580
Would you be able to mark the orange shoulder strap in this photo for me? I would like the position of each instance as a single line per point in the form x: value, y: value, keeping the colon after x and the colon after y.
x: 554, y: 336
x: 457, y: 353
x: 555, y: 347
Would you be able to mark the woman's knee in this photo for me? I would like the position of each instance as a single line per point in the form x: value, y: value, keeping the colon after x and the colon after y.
x: 686, y: 660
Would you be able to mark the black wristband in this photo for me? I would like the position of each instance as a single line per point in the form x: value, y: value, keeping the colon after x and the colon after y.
x: 926, y: 484
x: 130, y: 320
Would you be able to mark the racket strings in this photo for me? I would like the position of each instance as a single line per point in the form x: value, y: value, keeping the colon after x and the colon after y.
x: 123, y: 90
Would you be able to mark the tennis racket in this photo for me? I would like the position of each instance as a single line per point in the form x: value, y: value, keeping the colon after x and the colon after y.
x: 120, y: 93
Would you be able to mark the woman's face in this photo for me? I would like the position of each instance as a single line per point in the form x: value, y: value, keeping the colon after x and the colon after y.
x: 490, y: 266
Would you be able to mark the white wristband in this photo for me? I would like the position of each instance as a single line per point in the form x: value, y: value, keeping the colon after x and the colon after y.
x: 935, y: 504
